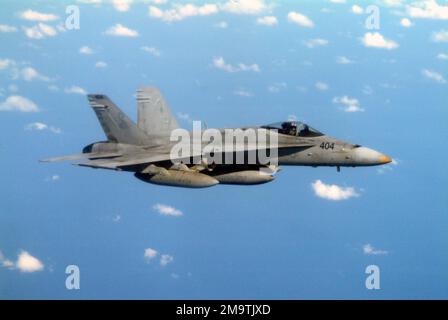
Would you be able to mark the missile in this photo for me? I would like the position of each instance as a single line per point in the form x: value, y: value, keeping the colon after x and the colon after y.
x: 178, y: 178
x: 246, y: 177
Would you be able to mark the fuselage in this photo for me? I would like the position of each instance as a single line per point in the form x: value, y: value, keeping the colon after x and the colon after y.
x: 316, y: 151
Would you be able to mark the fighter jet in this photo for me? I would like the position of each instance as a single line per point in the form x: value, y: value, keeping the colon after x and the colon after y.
x: 146, y: 148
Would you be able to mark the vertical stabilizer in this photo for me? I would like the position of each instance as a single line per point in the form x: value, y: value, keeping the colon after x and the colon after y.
x: 154, y: 114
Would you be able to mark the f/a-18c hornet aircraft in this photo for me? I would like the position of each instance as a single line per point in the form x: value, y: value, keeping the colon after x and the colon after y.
x: 152, y: 150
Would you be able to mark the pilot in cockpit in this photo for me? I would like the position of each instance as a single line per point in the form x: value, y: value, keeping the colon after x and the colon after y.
x: 289, y: 128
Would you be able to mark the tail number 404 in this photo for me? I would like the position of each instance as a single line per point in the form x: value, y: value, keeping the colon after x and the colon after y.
x: 327, y: 145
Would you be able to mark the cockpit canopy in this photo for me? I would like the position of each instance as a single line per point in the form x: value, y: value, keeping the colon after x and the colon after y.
x: 294, y: 128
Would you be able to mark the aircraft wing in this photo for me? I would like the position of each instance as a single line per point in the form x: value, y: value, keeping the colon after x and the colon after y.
x: 125, y: 160
x: 149, y: 157
x: 82, y: 156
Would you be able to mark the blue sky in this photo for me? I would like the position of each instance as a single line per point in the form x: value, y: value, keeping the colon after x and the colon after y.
x: 309, y: 234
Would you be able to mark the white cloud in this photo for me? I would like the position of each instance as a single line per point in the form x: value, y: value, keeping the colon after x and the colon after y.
x: 101, y: 64
x: 441, y: 56
x: 351, y: 104
x: 47, y: 30
x: 37, y: 16
x: 243, y: 93
x: 343, y: 60
x: 75, y: 90
x: 18, y: 103
x: 357, y: 9
x: 322, y: 86
x: 40, y: 31
x: 151, y: 50
x: 36, y: 126
x: 122, y: 5
x: 90, y: 1
x: 267, y: 21
x: 244, y: 6
x: 440, y: 36
x: 316, y: 43
x: 300, y: 19
x: 222, y: 25
x: 6, y: 63
x: 30, y: 74
x: 4, y: 262
x: 376, y: 40
x: 150, y: 254
x: 427, y: 9
x: 53, y: 178
x: 277, y: 87
x: 7, y: 264
x: 392, y: 3
x: 39, y: 126
x: 332, y: 191
x: 165, y: 259
x: 166, y: 210
x: 28, y: 263
x: 338, y: 1
x: 179, y: 12
x: 248, y: 67
x: 119, y: 30
x: 33, y: 33
x: 219, y: 63
x: 85, y: 50
x: 158, y: 1
x: 433, y: 75
x: 6, y: 28
x: 368, y: 249
x: 405, y: 22
x: 157, y: 13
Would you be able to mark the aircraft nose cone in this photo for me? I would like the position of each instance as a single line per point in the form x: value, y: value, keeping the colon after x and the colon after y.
x: 367, y: 156
x: 385, y: 159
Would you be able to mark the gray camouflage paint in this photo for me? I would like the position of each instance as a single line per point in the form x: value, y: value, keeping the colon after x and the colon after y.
x: 145, y: 149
